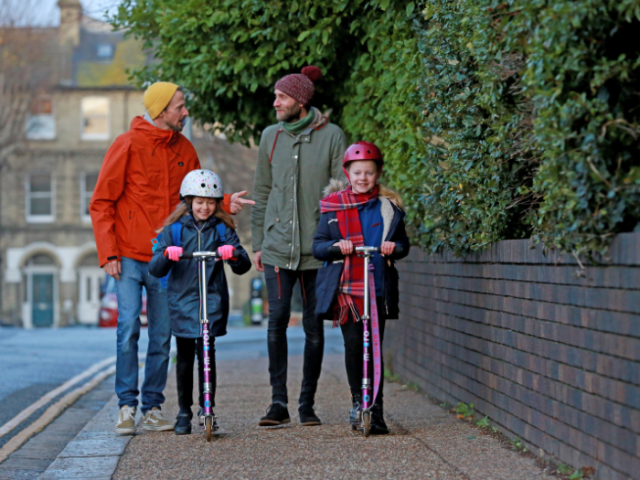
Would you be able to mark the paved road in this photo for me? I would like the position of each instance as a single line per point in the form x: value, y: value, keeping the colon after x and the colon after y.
x: 34, y: 362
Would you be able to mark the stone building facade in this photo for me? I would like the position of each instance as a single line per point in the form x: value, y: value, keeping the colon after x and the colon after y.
x: 48, y: 260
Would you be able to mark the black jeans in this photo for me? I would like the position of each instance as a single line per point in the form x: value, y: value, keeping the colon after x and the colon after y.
x: 353, y: 352
x: 280, y: 283
x: 184, y: 371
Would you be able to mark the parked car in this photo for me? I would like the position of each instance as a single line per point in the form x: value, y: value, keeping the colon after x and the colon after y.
x: 108, y: 314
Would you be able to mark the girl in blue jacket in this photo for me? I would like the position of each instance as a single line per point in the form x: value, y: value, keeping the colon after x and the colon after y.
x: 364, y: 213
x: 203, y: 226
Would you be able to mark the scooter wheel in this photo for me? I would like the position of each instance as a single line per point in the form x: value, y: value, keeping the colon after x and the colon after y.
x: 366, y: 422
x: 208, y: 425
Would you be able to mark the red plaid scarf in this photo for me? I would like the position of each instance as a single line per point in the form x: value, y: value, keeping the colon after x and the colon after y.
x: 351, y: 288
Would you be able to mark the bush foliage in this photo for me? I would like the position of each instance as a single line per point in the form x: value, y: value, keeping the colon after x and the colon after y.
x: 230, y: 53
x: 498, y: 119
x: 534, y: 109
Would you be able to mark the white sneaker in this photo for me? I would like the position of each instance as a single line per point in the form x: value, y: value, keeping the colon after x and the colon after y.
x: 126, y: 421
x: 153, y: 420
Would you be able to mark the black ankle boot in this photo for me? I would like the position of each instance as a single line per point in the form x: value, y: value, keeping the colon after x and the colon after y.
x: 183, y: 424
x: 378, y: 426
x: 277, y: 414
x: 354, y: 413
x: 307, y: 416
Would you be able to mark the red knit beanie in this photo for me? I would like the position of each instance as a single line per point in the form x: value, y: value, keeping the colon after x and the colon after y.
x: 299, y: 86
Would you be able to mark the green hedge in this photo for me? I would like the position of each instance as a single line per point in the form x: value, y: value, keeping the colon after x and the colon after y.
x: 538, y: 105
x: 498, y: 120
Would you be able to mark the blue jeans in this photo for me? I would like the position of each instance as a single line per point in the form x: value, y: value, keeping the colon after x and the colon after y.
x: 134, y: 275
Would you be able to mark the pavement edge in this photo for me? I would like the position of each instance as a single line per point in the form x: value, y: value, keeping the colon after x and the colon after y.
x: 95, y: 452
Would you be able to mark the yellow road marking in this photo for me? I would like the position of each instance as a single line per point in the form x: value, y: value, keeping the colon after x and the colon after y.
x: 51, y: 413
x: 24, y: 414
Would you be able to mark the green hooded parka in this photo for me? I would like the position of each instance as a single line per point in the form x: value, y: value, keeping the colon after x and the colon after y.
x: 292, y: 171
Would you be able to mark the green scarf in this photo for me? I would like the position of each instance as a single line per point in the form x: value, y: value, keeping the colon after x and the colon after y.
x: 297, y: 127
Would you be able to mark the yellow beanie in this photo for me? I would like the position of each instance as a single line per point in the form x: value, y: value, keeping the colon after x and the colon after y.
x: 158, y: 96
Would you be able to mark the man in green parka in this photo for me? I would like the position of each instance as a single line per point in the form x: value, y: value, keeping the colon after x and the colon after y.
x: 297, y: 157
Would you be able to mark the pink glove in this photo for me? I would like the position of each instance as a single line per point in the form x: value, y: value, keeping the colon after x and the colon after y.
x: 226, y: 252
x: 173, y: 253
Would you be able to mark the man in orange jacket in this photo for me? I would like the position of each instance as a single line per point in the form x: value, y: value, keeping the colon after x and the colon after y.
x: 138, y: 187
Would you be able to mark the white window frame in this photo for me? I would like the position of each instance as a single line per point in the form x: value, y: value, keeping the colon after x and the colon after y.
x: 28, y: 195
x: 95, y: 136
x: 84, y: 201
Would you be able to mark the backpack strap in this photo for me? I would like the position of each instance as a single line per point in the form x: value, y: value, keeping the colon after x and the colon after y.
x: 274, y: 145
x: 222, y: 231
x: 176, y: 233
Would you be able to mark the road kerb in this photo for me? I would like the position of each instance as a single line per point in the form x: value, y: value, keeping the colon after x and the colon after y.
x: 24, y: 414
x: 97, y: 448
x: 51, y: 413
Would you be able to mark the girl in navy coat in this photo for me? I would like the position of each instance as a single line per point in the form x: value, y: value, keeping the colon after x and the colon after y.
x: 203, y: 226
x: 363, y: 213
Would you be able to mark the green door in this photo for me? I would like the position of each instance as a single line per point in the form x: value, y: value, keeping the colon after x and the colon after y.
x: 42, y: 306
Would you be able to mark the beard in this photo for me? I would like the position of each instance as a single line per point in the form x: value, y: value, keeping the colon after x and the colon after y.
x: 290, y: 115
x: 176, y: 127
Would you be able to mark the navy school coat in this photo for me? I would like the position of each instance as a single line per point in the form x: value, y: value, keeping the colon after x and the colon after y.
x: 328, y: 278
x: 182, y: 288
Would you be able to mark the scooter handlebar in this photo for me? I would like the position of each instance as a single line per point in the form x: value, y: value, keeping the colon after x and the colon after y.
x: 335, y: 250
x: 201, y: 255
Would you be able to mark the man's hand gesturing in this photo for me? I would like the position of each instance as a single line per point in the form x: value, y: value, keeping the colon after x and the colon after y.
x: 236, y: 203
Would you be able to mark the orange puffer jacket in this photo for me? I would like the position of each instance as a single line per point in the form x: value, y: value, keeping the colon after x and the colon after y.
x: 138, y: 187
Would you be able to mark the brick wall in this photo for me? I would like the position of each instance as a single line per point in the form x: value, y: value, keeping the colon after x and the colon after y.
x: 551, y: 356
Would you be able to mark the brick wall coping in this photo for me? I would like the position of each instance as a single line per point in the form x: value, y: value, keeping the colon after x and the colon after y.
x: 624, y: 250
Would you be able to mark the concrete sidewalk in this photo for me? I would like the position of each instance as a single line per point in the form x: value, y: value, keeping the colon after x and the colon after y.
x: 425, y: 442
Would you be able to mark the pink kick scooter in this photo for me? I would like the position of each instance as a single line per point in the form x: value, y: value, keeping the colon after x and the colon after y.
x: 210, y: 423
x: 370, y: 337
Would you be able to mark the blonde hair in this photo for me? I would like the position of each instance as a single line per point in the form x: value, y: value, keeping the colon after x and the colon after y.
x: 183, y: 209
x: 391, y: 195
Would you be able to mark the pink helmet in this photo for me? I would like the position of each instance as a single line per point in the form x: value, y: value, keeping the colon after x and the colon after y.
x: 362, y: 151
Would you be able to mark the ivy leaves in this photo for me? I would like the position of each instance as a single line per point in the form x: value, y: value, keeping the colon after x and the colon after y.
x: 524, y: 94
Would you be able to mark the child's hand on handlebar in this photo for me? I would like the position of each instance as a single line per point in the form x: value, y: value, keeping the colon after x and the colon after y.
x: 226, y: 252
x: 387, y: 248
x: 346, y: 246
x: 173, y: 253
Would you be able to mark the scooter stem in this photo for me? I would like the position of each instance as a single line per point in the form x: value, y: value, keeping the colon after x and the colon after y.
x: 366, y: 338
x: 205, y: 339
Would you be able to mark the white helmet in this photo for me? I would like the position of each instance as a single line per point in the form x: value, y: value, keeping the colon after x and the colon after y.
x: 202, y: 183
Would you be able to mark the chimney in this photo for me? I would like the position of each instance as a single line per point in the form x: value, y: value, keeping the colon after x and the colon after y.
x: 70, y: 15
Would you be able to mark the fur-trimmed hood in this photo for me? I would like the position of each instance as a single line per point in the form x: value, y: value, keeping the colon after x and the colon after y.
x: 335, y: 185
